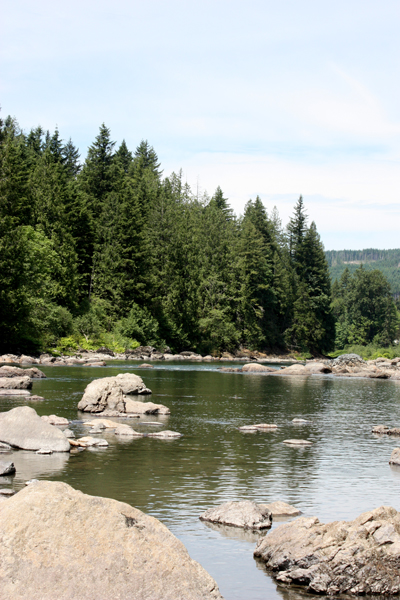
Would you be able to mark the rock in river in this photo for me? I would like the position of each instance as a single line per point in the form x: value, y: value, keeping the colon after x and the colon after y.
x: 21, y: 427
x: 297, y: 442
x: 257, y: 368
x: 282, y: 509
x: 110, y: 393
x: 246, y: 514
x: 356, y: 557
x: 395, y: 457
x: 34, y: 373
x: 165, y: 435
x: 6, y: 467
x: 15, y: 383
x: 60, y: 543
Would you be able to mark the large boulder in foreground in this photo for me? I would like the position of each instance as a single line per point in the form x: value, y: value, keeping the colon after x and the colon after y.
x: 60, y: 543
x: 246, y: 514
x: 356, y: 557
x: 22, y: 427
x: 115, y: 394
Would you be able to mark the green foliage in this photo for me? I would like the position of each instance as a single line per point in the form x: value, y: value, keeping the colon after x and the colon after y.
x: 139, y: 325
x: 364, y: 309
x: 110, y: 253
x: 369, y: 351
x: 386, y: 261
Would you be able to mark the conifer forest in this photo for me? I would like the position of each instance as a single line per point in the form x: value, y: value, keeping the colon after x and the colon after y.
x: 107, y: 251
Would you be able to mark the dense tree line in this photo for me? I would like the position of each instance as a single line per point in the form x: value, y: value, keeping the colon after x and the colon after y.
x: 108, y: 251
x: 387, y: 261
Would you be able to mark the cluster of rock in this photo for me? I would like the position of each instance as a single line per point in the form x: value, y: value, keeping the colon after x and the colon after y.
x: 352, y: 365
x: 59, y: 542
x: 14, y: 380
x: 346, y: 365
x: 357, y: 557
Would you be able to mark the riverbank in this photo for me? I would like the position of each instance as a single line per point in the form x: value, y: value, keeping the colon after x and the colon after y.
x: 143, y: 353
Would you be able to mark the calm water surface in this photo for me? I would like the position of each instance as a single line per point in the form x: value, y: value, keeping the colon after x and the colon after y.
x: 344, y: 473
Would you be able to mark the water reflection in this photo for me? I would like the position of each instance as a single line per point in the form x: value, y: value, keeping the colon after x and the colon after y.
x: 30, y: 465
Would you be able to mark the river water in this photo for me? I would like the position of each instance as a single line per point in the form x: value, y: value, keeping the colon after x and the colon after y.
x: 344, y: 472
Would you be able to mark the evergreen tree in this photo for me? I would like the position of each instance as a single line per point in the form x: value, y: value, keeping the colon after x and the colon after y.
x: 71, y: 159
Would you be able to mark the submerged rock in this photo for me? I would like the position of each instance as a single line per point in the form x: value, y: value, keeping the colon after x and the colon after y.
x: 22, y: 427
x: 266, y: 426
x: 356, y: 557
x: 60, y: 543
x: 167, y: 434
x: 298, y: 442
x: 127, y: 430
x: 110, y: 393
x: 246, y: 514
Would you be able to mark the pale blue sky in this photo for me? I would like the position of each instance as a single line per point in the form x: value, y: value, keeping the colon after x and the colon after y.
x: 259, y: 97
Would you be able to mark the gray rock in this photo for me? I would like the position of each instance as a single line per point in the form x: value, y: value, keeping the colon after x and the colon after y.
x: 33, y: 373
x: 54, y: 420
x: 348, y: 360
x: 100, y: 363
x: 294, y: 370
x: 248, y: 428
x: 34, y: 398
x: 110, y: 393
x: 15, y: 383
x: 6, y: 492
x: 297, y: 442
x: 44, y: 451
x: 395, y: 457
x: 318, y: 368
x: 246, y: 514
x: 266, y: 426
x: 4, y: 446
x: 145, y: 408
x: 72, y: 546
x: 6, y: 467
x: 91, y: 441
x: 68, y: 433
x: 282, y: 509
x: 257, y: 368
x: 28, y: 360
x: 97, y: 429
x: 357, y: 557
x: 300, y: 421
x: 21, y: 427
x: 126, y: 430
x: 380, y: 429
x: 163, y: 435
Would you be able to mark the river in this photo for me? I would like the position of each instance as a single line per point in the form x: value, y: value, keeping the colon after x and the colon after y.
x: 344, y: 472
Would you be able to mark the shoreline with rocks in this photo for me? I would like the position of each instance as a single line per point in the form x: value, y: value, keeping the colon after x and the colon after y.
x: 345, y: 365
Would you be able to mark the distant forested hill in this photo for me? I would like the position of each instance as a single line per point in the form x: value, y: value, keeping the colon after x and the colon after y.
x: 387, y: 261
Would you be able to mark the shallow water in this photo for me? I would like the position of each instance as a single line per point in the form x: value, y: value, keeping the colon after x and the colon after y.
x: 344, y: 473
